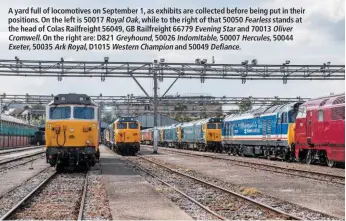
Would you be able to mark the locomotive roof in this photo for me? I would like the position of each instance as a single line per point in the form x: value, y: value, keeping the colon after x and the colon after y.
x: 126, y: 119
x: 11, y: 119
x: 263, y: 111
x: 71, y: 98
x: 325, y: 101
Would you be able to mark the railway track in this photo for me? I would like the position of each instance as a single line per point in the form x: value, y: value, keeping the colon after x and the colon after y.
x: 18, y: 149
x: 10, y: 212
x: 273, y: 168
x: 222, y: 203
x: 20, y: 160
x: 38, y: 204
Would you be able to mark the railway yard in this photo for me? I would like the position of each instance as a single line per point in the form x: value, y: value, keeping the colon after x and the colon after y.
x: 174, y: 184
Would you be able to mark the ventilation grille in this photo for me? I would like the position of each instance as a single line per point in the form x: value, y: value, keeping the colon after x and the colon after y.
x: 324, y: 102
x: 338, y: 113
x: 340, y: 100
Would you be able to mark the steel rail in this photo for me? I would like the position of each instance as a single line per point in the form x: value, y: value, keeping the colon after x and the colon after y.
x: 21, y: 157
x: 255, y: 165
x: 10, y: 212
x: 19, y: 149
x: 179, y: 191
x: 267, y: 207
x: 81, y: 209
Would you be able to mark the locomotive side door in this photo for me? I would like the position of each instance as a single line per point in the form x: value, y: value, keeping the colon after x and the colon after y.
x: 269, y: 130
x: 231, y: 126
x: 278, y: 127
x: 264, y: 130
x: 309, y: 126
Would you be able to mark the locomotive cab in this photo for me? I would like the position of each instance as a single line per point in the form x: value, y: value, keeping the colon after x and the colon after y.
x: 72, y: 132
x: 212, y: 130
x: 127, y: 135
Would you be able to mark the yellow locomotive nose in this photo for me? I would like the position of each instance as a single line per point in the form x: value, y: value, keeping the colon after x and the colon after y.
x: 290, y: 134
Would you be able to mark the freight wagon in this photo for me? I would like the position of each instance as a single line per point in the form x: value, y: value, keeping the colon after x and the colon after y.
x: 15, y: 132
x: 147, y: 136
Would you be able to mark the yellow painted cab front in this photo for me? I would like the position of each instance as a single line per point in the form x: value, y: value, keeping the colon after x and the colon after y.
x: 72, y: 131
x: 212, y: 132
x: 127, y: 135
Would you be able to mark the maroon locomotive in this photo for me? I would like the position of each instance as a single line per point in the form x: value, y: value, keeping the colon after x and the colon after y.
x: 320, y: 130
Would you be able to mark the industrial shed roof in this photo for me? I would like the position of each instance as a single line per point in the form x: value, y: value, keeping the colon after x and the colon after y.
x: 147, y: 120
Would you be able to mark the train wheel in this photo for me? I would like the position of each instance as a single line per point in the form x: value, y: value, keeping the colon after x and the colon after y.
x: 87, y: 167
x: 331, y: 163
x: 59, y: 168
x: 308, y: 158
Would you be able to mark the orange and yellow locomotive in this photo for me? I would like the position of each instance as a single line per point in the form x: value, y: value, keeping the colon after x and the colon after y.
x: 72, y: 132
x: 127, y: 135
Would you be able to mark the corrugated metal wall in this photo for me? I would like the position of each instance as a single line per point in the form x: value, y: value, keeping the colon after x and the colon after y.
x: 148, y: 120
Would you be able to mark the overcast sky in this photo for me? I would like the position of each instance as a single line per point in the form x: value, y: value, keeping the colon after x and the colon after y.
x: 320, y: 39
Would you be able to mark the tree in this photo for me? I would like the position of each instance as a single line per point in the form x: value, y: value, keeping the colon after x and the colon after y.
x: 219, y: 112
x: 108, y: 118
x: 245, y: 105
x: 277, y: 102
x: 38, y: 107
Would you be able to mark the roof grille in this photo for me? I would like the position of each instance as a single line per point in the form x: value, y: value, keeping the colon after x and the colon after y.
x: 340, y: 100
x: 324, y: 102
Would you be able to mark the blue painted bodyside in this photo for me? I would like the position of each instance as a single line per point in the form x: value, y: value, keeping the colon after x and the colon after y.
x: 170, y: 134
x: 199, y: 133
x: 192, y: 133
x: 188, y: 133
x: 260, y: 129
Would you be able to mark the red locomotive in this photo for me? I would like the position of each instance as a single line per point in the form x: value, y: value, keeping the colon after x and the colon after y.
x: 320, y: 130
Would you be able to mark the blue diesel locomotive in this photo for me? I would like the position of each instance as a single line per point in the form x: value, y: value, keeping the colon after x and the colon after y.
x: 266, y: 132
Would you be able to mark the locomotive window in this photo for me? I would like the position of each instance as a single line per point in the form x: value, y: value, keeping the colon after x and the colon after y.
x: 320, y: 115
x: 122, y: 125
x: 59, y: 113
x: 133, y: 125
x: 292, y: 115
x: 219, y: 126
x: 211, y: 126
x: 83, y: 113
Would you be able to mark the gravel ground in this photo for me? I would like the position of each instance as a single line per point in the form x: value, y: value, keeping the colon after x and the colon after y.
x: 96, y: 205
x: 7, y: 156
x: 224, y: 204
x: 278, y: 163
x: 19, y: 149
x: 289, y: 170
x: 256, y: 195
x: 8, y: 200
x: 192, y: 209
x: 59, y: 199
x: 20, y: 162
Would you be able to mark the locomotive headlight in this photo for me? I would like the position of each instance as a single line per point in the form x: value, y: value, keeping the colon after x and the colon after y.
x: 71, y: 129
x: 87, y: 142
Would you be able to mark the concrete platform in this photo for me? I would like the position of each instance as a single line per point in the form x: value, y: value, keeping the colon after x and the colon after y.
x: 130, y: 196
x: 16, y: 176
